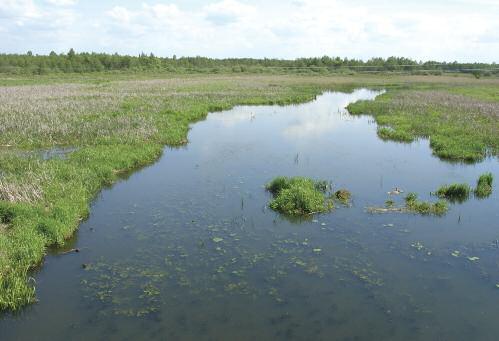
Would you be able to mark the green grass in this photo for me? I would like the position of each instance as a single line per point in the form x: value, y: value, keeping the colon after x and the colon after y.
x: 413, y: 204
x: 120, y: 122
x: 299, y: 196
x: 461, y: 122
x: 387, y: 133
x: 454, y: 192
x: 484, y: 186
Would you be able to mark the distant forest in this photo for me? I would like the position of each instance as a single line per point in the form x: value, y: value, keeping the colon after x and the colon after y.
x: 72, y: 62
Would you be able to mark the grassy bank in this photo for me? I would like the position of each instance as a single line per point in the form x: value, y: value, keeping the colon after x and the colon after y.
x: 462, y: 123
x: 115, y: 124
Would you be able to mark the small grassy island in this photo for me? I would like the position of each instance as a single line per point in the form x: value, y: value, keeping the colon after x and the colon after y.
x: 454, y: 192
x: 300, y: 196
x: 461, y: 192
x: 413, y: 204
x: 484, y: 186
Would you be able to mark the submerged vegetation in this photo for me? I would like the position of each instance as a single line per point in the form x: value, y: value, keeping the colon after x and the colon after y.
x: 452, y: 193
x: 299, y: 196
x: 484, y: 186
x: 412, y: 205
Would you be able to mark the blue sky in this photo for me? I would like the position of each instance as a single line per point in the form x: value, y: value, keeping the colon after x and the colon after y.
x: 425, y: 30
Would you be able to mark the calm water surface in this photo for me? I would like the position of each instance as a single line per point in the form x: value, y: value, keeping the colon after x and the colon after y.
x: 187, y: 250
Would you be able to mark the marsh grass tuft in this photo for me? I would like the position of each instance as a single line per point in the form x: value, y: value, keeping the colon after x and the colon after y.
x: 484, y: 186
x: 415, y: 205
x: 454, y: 192
x: 278, y: 184
x: 343, y: 196
x: 299, y: 196
x: 387, y: 133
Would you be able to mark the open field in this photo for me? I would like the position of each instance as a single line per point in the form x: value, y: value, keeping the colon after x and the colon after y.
x: 63, y: 139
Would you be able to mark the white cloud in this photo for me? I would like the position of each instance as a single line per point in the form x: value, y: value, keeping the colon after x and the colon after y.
x: 62, y: 2
x: 441, y: 29
x: 227, y: 11
x: 19, y: 9
x: 120, y: 14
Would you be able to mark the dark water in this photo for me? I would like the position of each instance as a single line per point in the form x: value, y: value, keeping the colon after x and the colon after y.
x: 186, y: 248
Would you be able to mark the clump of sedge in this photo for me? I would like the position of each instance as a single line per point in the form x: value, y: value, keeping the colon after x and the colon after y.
x: 423, y: 207
x: 343, y: 196
x: 454, y: 192
x: 300, y: 196
x: 484, y: 186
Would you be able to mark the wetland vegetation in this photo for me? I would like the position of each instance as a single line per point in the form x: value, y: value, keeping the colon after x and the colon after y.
x: 462, y: 124
x: 484, y: 185
x: 300, y: 196
x: 454, y: 192
x: 114, y: 124
x: 413, y: 204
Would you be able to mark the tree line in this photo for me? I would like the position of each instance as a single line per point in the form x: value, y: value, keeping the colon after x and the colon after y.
x: 72, y: 62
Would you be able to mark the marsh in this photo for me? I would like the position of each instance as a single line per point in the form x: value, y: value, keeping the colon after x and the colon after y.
x: 187, y: 248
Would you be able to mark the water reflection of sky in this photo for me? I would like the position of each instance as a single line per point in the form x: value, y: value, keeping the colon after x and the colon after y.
x: 301, y: 121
